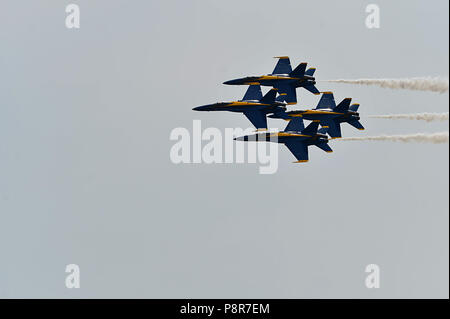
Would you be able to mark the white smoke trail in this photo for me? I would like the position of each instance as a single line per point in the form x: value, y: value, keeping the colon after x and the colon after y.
x: 434, y: 84
x: 429, y: 117
x: 435, y: 138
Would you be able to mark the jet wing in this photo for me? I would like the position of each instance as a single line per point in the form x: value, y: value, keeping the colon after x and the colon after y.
x: 326, y: 101
x: 257, y: 118
x: 253, y: 93
x: 334, y: 129
x: 283, y: 66
x: 287, y: 93
x: 299, y: 149
x: 295, y: 125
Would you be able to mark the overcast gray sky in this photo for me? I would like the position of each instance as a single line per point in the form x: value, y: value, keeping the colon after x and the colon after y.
x: 85, y: 174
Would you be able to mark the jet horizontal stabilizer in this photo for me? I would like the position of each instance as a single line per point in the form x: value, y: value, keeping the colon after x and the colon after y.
x: 356, y: 124
x: 311, y: 88
x: 325, y: 147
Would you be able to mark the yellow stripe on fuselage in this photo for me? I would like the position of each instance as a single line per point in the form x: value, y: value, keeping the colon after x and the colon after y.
x: 275, y: 77
x: 280, y: 134
x: 239, y: 103
x: 311, y: 112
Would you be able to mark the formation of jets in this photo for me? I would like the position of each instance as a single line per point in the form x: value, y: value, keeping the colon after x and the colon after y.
x: 295, y: 136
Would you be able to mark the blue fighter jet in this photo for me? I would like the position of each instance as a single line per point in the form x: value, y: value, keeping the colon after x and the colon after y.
x: 254, y: 106
x: 296, y: 137
x: 284, y: 79
x: 328, y: 114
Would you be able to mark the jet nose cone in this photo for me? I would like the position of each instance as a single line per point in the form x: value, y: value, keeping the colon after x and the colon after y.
x: 230, y: 82
x: 202, y: 108
x: 234, y: 82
